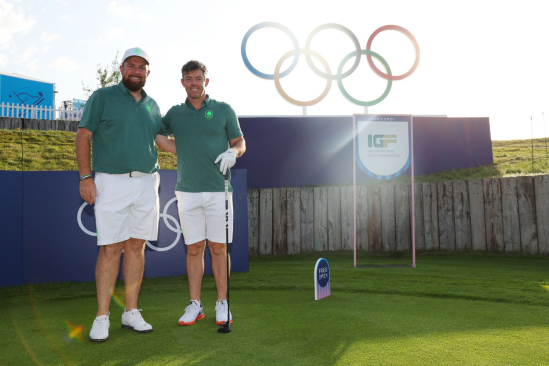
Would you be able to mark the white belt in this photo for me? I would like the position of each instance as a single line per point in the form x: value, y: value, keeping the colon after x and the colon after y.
x: 130, y: 174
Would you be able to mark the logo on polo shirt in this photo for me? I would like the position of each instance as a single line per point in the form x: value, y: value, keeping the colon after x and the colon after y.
x: 209, y: 114
x: 149, y: 108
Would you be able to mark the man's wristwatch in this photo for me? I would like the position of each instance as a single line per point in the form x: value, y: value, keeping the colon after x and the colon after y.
x: 84, y: 177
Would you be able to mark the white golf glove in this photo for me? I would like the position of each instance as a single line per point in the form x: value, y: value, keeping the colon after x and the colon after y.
x: 228, y: 159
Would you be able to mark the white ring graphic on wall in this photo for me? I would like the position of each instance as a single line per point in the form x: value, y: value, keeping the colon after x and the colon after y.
x: 164, y: 215
x: 177, y: 229
x: 79, y: 218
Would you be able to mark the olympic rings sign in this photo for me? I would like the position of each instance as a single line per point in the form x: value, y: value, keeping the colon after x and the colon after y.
x: 327, y: 74
x: 164, y: 215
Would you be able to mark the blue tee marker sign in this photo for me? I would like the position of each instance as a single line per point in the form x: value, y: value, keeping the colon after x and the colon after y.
x: 322, y: 279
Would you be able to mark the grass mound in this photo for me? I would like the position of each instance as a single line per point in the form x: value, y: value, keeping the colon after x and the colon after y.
x: 54, y: 150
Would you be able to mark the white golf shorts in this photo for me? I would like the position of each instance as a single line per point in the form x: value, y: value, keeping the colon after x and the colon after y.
x: 126, y: 207
x: 202, y: 216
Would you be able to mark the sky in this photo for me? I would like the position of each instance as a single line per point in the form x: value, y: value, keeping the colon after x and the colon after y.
x: 478, y: 58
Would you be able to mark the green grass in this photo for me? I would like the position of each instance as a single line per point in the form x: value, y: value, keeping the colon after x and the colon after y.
x: 453, y: 309
x: 48, y: 150
x: 54, y: 150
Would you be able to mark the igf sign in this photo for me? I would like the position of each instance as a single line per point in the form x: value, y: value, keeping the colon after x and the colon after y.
x: 382, y: 145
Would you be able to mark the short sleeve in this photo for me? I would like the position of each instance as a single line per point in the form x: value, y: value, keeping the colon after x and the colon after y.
x: 162, y: 128
x: 233, y: 126
x: 166, y: 129
x: 93, y: 111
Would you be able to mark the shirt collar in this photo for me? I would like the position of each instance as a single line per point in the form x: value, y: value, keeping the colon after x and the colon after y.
x: 205, y: 102
x: 125, y: 91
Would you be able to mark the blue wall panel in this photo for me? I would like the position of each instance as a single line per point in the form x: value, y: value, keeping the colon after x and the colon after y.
x: 308, y: 151
x: 11, y: 227
x: 49, y: 230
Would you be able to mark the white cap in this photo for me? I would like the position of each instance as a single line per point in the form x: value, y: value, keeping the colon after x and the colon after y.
x: 136, y: 51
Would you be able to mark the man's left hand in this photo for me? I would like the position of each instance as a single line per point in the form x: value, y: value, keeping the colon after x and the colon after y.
x: 228, y: 159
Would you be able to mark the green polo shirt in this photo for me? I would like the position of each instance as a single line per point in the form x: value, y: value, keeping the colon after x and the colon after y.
x: 200, y: 136
x: 124, y: 131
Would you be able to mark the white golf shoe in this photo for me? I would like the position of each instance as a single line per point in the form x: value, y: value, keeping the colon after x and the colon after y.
x: 100, y: 329
x: 221, y: 312
x: 193, y: 312
x: 133, y: 320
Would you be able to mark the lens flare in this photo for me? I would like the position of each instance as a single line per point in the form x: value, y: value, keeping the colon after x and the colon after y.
x: 117, y: 300
x: 43, y: 328
x: 76, y: 332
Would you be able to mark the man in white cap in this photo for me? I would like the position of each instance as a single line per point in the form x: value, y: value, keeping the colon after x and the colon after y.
x: 122, y: 121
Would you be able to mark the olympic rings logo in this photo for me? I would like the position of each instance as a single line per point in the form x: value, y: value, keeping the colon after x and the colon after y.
x: 297, y: 51
x: 164, y: 215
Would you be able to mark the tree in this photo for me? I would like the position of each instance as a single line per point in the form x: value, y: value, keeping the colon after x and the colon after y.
x: 110, y: 75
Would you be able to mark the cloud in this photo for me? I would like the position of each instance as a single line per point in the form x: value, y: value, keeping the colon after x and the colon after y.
x: 63, y: 63
x: 111, y: 35
x: 27, y: 55
x: 13, y: 21
x: 47, y: 37
x: 3, y: 60
x: 129, y: 12
x: 29, y: 59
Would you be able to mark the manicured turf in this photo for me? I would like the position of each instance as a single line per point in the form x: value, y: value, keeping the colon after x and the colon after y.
x: 453, y: 309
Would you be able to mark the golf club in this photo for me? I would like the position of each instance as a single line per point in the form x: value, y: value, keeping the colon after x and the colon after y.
x: 226, y: 327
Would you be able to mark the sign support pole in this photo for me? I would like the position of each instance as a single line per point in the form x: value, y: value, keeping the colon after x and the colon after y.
x: 413, y: 196
x: 354, y: 191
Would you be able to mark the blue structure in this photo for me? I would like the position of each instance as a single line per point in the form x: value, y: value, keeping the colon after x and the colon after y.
x: 26, y: 91
x: 318, y: 150
x: 48, y: 231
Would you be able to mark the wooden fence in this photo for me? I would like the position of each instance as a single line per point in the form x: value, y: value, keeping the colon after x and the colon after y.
x: 498, y: 214
x: 37, y: 112
x: 11, y: 123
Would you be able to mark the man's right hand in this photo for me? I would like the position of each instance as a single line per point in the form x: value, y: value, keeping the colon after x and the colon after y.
x: 87, y: 191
